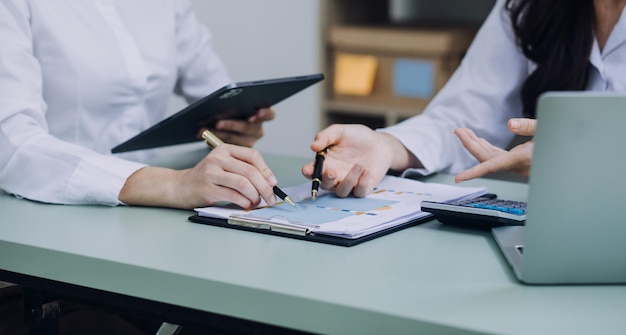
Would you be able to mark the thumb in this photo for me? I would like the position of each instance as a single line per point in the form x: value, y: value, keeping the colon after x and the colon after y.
x: 523, y: 126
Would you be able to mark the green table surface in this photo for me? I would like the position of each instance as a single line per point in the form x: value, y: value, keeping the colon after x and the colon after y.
x: 428, y: 279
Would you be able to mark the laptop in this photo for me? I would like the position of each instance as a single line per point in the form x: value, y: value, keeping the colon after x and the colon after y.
x: 575, y: 230
x: 233, y: 101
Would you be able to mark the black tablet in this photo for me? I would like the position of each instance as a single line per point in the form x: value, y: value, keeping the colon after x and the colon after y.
x: 234, y: 101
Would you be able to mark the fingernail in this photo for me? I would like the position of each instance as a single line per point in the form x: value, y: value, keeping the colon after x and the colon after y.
x: 273, y: 180
x: 515, y: 124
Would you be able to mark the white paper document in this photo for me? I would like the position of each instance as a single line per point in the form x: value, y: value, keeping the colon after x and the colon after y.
x: 393, y: 202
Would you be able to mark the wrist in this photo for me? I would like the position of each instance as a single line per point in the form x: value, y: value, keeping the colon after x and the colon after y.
x: 150, y: 186
x: 401, y: 158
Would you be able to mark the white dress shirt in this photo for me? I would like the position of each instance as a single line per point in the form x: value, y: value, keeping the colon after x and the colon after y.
x: 79, y: 77
x: 484, y: 93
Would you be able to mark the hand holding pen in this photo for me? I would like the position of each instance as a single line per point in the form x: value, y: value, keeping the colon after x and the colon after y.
x: 214, y: 141
x: 357, y: 160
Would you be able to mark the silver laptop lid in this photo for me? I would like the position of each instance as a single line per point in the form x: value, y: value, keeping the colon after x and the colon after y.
x: 576, y: 225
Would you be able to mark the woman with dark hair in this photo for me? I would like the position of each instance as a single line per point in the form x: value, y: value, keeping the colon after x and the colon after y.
x: 523, y: 49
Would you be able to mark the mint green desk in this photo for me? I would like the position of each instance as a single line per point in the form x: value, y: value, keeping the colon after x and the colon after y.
x: 428, y: 279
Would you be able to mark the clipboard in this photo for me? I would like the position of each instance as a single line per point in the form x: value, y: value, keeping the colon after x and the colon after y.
x: 302, y: 233
x: 393, y: 205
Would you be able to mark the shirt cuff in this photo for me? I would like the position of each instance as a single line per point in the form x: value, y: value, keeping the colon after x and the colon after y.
x: 98, y: 179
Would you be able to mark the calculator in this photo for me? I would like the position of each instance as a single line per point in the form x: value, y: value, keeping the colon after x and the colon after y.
x: 483, y: 212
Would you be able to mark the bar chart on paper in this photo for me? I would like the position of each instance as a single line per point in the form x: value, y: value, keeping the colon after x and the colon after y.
x: 394, y: 201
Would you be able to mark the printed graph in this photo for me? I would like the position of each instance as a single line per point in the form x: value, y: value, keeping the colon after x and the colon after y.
x: 327, y: 208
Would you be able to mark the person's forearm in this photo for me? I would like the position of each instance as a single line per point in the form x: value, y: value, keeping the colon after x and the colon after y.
x: 152, y: 186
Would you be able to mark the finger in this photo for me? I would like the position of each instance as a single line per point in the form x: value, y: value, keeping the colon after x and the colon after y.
x: 465, y: 133
x: 523, y: 126
x: 478, y: 147
x: 467, y: 137
x: 236, y: 138
x: 254, y: 158
x: 252, y: 186
x: 349, y: 182
x: 474, y: 172
x: 328, y: 175
x: 329, y: 180
x: 249, y: 164
x: 200, y: 131
x: 365, y: 185
x: 499, y: 163
x: 307, y: 170
x: 224, y: 192
x: 225, y: 185
x: 241, y: 127
x: 262, y: 115
x: 327, y: 137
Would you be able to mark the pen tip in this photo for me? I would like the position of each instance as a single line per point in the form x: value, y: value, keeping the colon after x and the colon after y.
x: 289, y: 201
x: 313, y: 194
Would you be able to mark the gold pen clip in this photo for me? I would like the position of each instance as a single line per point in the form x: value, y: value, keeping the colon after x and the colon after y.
x: 259, y: 223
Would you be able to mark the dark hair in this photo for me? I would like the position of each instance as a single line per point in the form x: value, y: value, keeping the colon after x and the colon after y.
x: 557, y: 35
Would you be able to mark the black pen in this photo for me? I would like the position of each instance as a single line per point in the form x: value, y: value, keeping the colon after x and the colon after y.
x: 213, y: 141
x: 317, y: 172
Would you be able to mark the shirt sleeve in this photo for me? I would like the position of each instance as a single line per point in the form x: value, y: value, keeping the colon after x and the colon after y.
x: 201, y: 70
x: 482, y: 95
x: 34, y: 164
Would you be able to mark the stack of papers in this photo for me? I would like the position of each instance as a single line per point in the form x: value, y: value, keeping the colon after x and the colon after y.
x: 393, y: 202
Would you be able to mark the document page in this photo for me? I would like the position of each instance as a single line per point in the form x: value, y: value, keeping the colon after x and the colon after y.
x: 394, y: 201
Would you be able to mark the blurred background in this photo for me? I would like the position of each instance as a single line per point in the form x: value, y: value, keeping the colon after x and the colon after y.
x: 280, y: 38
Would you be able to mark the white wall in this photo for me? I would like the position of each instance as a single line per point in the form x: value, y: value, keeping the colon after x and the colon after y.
x: 270, y: 39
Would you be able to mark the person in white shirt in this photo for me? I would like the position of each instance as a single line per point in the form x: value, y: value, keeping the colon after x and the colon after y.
x: 523, y: 49
x: 79, y: 77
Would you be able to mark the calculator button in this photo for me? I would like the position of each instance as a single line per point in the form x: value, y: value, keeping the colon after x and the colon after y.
x: 512, y: 207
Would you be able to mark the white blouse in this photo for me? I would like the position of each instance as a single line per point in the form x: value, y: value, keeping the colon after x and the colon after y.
x: 79, y: 77
x: 484, y: 93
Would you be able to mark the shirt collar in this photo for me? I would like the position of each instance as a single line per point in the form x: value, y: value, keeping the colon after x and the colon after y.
x: 616, y: 38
